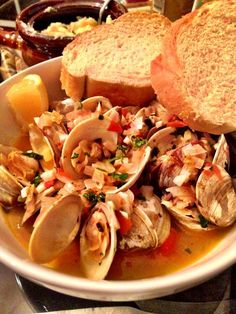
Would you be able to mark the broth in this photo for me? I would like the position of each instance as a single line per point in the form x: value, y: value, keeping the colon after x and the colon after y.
x: 190, y: 247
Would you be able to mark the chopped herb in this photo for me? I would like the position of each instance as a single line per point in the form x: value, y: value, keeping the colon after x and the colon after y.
x: 203, y: 221
x: 101, y: 197
x: 148, y: 123
x: 33, y: 155
x: 74, y: 156
x: 117, y: 157
x: 122, y: 147
x: 188, y: 250
x: 94, y: 198
x: 101, y: 117
x: 87, y: 154
x: 138, y: 142
x: 37, y: 180
x: 120, y: 176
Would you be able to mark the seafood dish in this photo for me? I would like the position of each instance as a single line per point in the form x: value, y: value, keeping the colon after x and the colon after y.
x: 115, y: 182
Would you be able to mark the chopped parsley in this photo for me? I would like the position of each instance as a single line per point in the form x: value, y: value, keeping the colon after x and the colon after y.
x: 117, y: 157
x: 74, y: 156
x: 138, y: 142
x: 120, y: 176
x: 188, y: 250
x: 37, y: 180
x: 203, y: 221
x: 33, y: 155
x: 93, y: 198
x: 123, y: 147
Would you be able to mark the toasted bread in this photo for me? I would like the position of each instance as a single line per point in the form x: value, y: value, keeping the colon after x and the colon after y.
x: 195, y: 75
x: 114, y: 60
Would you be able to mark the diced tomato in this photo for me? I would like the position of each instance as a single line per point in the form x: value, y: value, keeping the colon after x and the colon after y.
x: 49, y: 183
x: 61, y: 172
x: 125, y: 223
x: 168, y: 247
x: 115, y: 127
x: 124, y: 112
x: 176, y: 124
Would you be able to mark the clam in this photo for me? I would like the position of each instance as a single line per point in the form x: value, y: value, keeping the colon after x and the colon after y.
x: 98, y: 241
x: 9, y: 187
x: 216, y: 198
x: 150, y: 224
x: 41, y: 145
x: 55, y: 227
x: 90, y: 130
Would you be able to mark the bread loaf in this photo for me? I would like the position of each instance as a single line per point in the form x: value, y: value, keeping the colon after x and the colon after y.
x: 114, y: 60
x: 195, y: 75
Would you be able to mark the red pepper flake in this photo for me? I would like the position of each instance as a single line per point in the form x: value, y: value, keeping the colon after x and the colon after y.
x: 176, y: 124
x: 125, y: 222
x: 49, y: 183
x: 216, y: 171
x: 115, y: 127
x: 169, y: 246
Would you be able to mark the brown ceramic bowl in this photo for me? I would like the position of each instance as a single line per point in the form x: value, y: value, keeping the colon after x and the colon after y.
x: 37, y: 47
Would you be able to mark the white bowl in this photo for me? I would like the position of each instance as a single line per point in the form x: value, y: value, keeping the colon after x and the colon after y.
x: 16, y: 258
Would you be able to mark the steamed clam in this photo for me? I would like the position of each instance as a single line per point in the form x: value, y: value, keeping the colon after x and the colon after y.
x: 98, y: 241
x: 216, y: 198
x: 55, y: 227
x: 150, y: 223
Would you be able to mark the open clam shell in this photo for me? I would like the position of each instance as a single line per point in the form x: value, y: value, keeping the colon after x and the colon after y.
x: 98, y: 241
x: 160, y: 136
x: 150, y: 225
x: 41, y: 145
x: 55, y: 228
x: 9, y: 187
x: 90, y: 130
x: 216, y: 197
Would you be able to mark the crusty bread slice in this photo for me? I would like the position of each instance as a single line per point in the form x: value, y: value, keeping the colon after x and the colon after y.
x: 195, y: 75
x: 114, y: 60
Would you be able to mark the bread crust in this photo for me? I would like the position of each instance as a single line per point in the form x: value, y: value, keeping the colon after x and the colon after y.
x: 169, y: 68
x: 106, y: 68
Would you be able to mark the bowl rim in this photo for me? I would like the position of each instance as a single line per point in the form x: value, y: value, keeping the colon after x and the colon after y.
x: 209, y: 266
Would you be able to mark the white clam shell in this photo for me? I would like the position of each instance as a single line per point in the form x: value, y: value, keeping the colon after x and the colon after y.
x: 55, y: 228
x: 150, y: 225
x: 216, y: 198
x: 96, y: 267
x: 159, y: 136
x: 41, y: 145
x: 90, y: 129
x: 92, y: 103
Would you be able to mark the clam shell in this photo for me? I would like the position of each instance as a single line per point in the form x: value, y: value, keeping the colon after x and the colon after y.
x: 96, y: 261
x: 160, y: 136
x: 9, y: 187
x: 92, y: 103
x: 216, y: 198
x: 55, y: 228
x: 41, y: 145
x: 90, y: 129
x: 150, y: 225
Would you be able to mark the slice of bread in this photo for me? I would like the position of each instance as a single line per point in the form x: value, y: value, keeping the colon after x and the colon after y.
x: 114, y: 60
x: 195, y: 75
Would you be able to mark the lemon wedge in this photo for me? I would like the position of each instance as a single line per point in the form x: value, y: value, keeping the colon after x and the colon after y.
x: 28, y: 98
